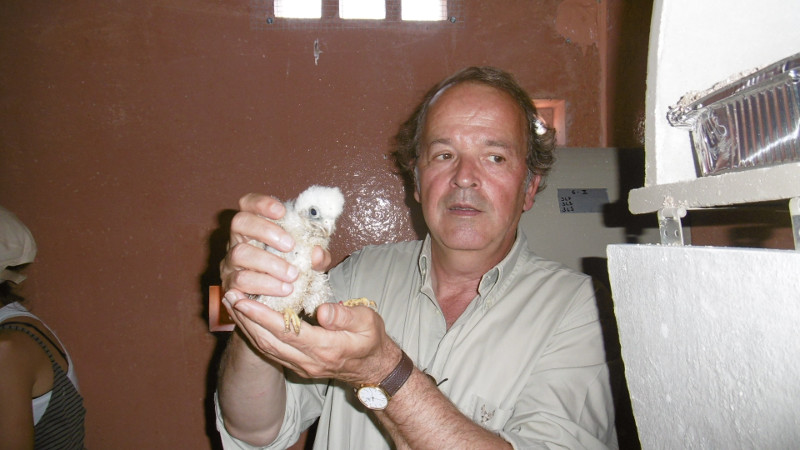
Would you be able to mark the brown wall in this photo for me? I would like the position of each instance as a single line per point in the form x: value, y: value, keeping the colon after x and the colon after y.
x: 128, y: 130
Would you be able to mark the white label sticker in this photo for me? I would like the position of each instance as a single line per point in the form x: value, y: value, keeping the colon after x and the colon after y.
x: 581, y: 200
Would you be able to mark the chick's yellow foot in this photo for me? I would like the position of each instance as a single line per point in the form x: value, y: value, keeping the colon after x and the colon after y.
x: 363, y: 301
x: 291, y: 321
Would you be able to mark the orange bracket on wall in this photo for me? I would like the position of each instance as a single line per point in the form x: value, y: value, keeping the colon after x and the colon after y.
x: 218, y: 317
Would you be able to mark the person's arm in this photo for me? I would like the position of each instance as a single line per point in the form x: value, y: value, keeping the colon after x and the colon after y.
x: 351, y: 345
x: 250, y: 389
x: 17, y: 376
x: 419, y: 416
x: 251, y: 393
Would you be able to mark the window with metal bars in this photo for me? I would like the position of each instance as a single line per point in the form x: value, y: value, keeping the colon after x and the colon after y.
x: 414, y: 10
x: 352, y: 13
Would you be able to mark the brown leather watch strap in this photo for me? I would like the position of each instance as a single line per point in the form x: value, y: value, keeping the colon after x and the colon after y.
x: 395, y: 380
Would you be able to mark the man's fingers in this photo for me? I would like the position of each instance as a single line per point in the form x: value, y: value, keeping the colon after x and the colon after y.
x: 265, y: 330
x: 332, y: 316
x: 320, y: 259
x: 230, y: 299
x: 246, y: 257
x: 338, y: 317
x: 336, y: 349
x: 263, y: 205
x: 246, y: 226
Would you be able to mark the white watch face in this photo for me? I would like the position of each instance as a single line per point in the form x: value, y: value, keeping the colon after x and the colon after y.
x: 373, y: 397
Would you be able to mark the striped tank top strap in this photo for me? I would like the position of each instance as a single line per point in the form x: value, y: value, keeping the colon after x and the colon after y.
x: 62, y: 425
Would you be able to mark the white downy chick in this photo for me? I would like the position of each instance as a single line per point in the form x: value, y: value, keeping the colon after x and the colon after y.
x: 311, y: 220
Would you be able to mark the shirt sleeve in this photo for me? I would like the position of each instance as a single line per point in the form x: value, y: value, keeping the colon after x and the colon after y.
x: 567, y: 399
x: 303, y: 406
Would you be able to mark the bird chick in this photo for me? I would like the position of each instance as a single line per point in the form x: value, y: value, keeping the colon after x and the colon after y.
x: 311, y: 220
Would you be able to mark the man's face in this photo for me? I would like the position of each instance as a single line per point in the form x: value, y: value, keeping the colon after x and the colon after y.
x: 471, y: 170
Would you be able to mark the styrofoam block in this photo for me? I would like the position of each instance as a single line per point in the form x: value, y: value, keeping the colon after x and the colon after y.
x: 711, y: 344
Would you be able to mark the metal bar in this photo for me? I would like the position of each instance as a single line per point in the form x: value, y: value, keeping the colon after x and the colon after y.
x: 669, y: 225
x: 794, y: 212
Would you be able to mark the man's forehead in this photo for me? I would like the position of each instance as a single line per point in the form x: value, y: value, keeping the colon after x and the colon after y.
x: 488, y: 111
x: 470, y: 89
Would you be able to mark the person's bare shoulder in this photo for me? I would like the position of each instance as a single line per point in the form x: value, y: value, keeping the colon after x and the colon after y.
x: 23, y: 362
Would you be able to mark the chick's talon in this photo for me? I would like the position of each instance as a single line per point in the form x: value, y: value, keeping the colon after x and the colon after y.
x: 363, y: 301
x: 291, y: 321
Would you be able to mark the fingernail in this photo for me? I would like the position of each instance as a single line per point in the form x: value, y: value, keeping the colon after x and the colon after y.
x: 243, y: 307
x: 292, y: 272
x: 287, y: 242
x: 231, y: 298
x: 277, y: 208
x: 286, y: 288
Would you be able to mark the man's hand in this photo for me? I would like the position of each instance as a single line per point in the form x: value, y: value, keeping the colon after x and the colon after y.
x: 247, y: 269
x: 350, y: 344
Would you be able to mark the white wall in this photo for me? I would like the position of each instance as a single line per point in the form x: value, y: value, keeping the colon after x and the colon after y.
x: 575, y: 239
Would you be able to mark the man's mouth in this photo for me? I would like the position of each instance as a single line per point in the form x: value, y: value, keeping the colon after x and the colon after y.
x: 463, y: 209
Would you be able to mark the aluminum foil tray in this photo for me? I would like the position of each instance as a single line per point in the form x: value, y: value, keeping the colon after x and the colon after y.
x: 751, y: 121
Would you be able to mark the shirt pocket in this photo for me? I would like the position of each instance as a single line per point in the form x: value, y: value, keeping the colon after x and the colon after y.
x: 490, y: 416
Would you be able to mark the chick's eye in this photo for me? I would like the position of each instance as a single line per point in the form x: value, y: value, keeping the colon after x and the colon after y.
x: 313, y: 212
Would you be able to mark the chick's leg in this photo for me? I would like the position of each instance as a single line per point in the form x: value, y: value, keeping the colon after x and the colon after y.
x: 291, y: 321
x: 363, y: 301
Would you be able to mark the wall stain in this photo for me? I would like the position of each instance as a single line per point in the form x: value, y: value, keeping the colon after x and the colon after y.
x: 577, y: 23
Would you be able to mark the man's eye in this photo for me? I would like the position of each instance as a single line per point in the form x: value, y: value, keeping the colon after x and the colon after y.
x: 444, y: 156
x: 497, y: 158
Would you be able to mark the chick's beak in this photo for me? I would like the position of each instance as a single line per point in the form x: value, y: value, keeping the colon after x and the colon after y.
x: 329, y: 227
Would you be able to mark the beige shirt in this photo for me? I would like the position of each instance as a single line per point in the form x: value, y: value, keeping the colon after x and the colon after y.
x: 525, y: 360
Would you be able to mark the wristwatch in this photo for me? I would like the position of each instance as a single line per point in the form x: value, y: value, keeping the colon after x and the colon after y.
x: 377, y: 396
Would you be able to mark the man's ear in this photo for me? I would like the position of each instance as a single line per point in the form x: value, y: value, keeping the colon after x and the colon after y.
x: 416, y: 184
x: 530, y: 191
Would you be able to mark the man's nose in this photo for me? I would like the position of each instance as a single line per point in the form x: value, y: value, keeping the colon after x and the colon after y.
x: 467, y: 173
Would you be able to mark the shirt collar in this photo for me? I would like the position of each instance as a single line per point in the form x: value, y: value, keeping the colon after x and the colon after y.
x: 425, y: 258
x: 496, y: 275
x: 500, y: 274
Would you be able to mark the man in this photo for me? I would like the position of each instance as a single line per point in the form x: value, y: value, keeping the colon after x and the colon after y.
x: 506, y: 347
